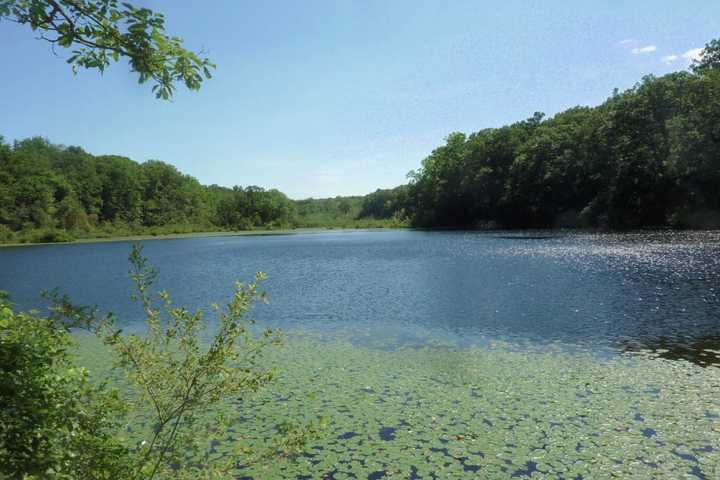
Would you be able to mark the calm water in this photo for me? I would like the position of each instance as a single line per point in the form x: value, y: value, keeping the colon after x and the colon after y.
x: 603, y: 292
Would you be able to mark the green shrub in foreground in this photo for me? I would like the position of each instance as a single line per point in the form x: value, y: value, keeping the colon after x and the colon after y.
x: 53, y: 422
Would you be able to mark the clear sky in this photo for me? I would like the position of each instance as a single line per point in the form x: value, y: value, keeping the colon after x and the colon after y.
x: 324, y: 98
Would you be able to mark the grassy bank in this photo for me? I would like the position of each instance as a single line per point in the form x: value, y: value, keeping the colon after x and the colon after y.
x: 54, y: 236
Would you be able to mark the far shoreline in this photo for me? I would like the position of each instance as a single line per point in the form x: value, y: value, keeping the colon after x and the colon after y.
x: 209, y: 234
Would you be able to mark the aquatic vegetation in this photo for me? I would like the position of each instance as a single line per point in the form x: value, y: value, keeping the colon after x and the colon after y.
x: 440, y: 412
x: 502, y: 413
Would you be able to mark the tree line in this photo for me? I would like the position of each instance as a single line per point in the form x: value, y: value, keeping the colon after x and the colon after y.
x: 49, y: 192
x: 647, y: 157
x: 53, y: 193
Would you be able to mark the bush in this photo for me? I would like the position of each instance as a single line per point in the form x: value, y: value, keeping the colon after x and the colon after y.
x: 6, y: 235
x: 53, y: 422
x: 47, y: 235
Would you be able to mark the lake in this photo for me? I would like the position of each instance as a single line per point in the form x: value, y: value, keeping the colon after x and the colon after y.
x: 600, y: 292
x: 448, y: 354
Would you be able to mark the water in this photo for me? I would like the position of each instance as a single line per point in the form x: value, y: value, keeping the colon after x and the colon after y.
x: 599, y: 292
x: 407, y: 412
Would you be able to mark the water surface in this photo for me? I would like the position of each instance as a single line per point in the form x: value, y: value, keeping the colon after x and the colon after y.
x: 596, y: 291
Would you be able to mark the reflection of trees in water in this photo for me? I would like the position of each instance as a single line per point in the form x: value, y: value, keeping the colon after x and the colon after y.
x: 701, y: 350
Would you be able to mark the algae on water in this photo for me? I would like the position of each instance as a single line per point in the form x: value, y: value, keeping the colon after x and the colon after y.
x: 489, y: 413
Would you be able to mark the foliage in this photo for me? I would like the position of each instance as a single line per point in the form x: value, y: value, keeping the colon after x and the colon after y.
x: 54, y: 193
x: 340, y: 212
x: 320, y: 212
x: 178, y: 375
x: 387, y: 203
x: 252, y: 207
x: 53, y: 423
x: 710, y: 58
x: 104, y: 31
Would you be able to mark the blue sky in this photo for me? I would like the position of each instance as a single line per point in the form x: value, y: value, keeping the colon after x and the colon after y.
x: 324, y: 98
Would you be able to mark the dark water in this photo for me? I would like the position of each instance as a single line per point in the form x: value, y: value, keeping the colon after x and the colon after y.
x: 618, y: 292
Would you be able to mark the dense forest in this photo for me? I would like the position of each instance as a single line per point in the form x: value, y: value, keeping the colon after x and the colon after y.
x: 647, y: 157
x: 54, y: 193
x: 48, y: 192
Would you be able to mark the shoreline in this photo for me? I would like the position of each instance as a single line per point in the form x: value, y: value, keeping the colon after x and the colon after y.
x: 174, y: 236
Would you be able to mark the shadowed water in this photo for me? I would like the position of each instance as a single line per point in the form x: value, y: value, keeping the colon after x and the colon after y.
x: 656, y: 291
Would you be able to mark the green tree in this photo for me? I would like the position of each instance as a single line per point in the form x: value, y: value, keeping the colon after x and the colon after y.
x: 385, y: 203
x: 251, y: 207
x: 709, y: 59
x: 121, y: 192
x: 169, y: 197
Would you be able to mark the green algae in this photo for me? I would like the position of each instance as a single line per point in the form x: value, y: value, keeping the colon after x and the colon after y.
x: 439, y: 412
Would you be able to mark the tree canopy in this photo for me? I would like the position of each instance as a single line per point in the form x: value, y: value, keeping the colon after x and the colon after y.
x: 51, y: 193
x: 48, y: 190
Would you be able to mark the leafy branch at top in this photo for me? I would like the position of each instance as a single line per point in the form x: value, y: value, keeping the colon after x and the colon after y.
x: 103, y: 31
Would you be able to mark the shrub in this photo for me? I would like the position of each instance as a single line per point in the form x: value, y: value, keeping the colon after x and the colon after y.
x: 50, y: 235
x: 6, y: 235
x: 53, y: 422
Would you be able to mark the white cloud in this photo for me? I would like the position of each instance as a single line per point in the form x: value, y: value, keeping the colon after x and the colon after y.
x: 689, y: 56
x: 627, y: 41
x: 693, y: 54
x: 645, y: 49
